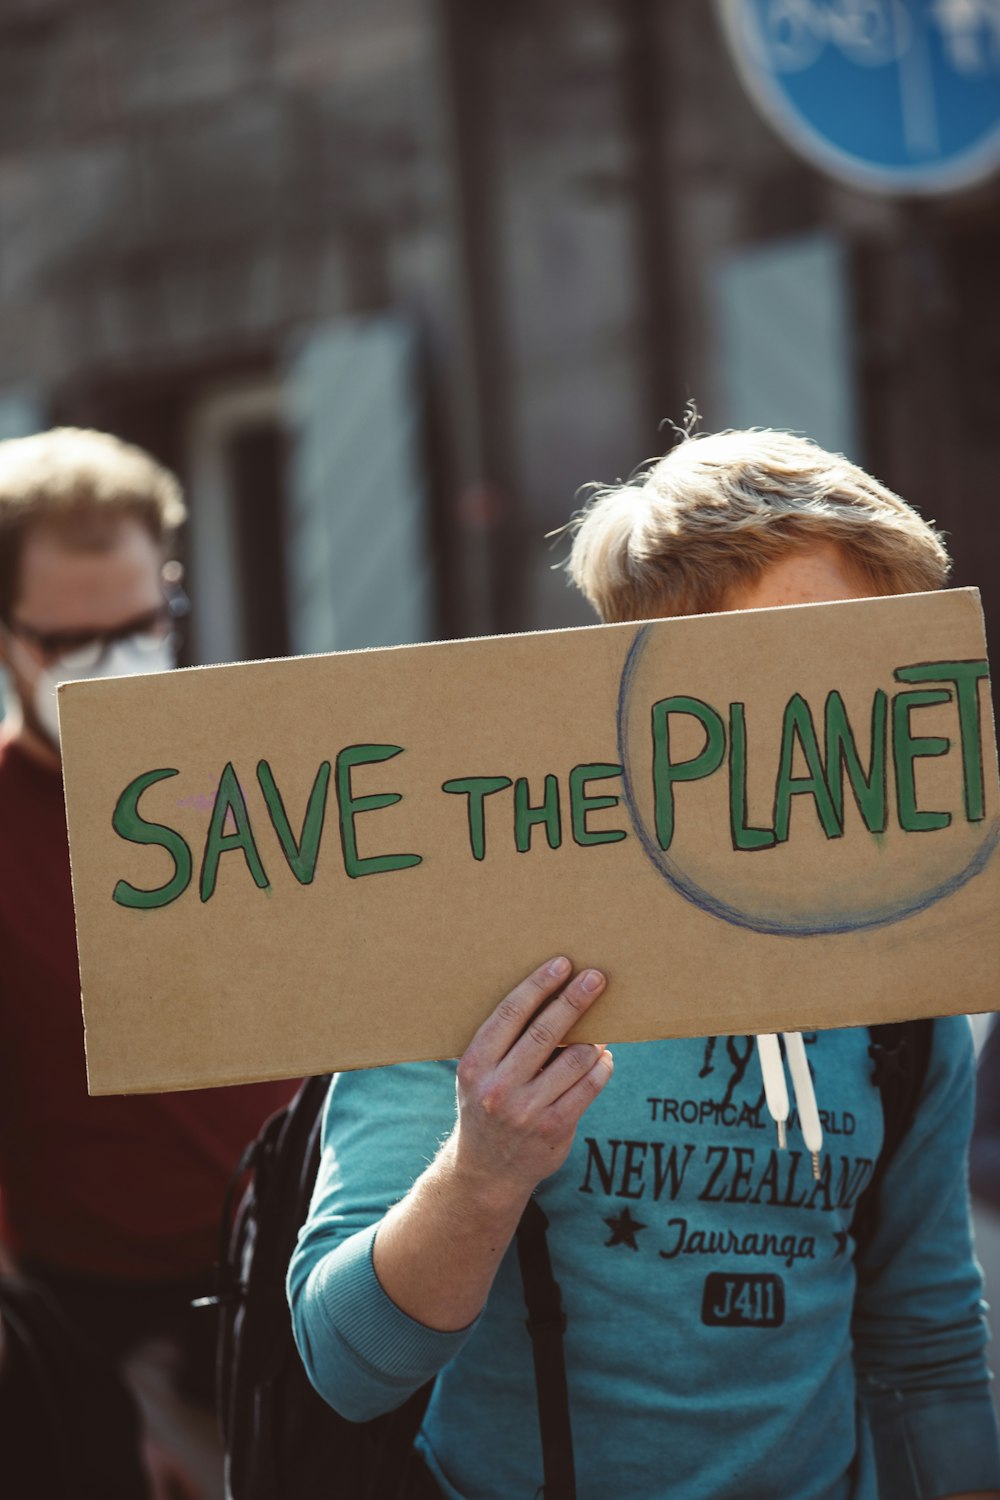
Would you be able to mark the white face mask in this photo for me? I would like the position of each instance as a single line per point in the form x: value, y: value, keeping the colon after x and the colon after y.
x: 134, y: 656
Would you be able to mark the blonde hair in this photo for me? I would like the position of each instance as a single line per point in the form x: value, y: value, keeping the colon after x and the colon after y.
x: 719, y: 508
x: 81, y: 482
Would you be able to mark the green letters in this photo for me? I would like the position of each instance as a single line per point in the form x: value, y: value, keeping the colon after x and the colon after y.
x: 229, y: 799
x: 580, y: 804
x: 129, y: 824
x: 743, y: 837
x: 666, y: 772
x: 350, y: 806
x: 477, y: 788
x: 906, y: 748
x: 798, y: 725
x: 804, y: 768
x: 966, y: 676
x: 842, y: 755
x: 526, y: 816
x: 301, y: 856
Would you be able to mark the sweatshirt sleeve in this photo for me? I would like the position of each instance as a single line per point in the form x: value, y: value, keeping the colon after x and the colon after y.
x: 919, y: 1329
x: 381, y: 1128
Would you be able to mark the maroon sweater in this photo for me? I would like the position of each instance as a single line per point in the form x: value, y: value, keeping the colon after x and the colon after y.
x: 108, y: 1187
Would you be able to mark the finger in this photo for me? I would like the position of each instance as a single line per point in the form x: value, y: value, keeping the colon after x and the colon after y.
x: 546, y: 1030
x: 501, y: 1030
x: 568, y: 1067
x: 568, y: 1108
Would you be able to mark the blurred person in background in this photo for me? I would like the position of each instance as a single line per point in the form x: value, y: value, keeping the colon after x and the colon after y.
x: 110, y: 1205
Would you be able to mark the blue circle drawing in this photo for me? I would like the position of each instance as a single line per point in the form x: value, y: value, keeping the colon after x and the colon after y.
x: 896, y: 96
x: 832, y: 924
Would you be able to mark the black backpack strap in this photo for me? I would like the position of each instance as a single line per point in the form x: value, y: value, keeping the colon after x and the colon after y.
x: 547, y: 1324
x: 900, y: 1052
x: 267, y: 1409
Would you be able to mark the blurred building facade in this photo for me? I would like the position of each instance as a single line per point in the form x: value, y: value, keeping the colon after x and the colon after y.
x: 388, y: 281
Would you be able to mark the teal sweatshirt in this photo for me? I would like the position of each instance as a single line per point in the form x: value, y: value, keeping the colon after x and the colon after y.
x: 722, y: 1344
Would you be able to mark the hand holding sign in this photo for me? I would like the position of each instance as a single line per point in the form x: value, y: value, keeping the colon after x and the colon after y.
x: 518, y: 1099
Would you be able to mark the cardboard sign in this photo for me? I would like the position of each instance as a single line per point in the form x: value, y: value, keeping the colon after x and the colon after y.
x: 773, y: 820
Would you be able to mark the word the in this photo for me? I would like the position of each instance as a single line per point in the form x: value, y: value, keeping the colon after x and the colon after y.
x: 548, y: 813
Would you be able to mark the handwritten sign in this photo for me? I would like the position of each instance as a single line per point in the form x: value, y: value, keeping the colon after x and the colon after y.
x: 768, y: 820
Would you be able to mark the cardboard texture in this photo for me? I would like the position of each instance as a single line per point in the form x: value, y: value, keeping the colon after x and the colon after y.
x: 780, y: 819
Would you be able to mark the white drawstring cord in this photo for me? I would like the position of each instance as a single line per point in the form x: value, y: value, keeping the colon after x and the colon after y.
x: 805, y: 1096
x: 776, y: 1090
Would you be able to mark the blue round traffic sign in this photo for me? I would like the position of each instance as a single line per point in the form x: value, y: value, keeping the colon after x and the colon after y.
x: 897, y: 96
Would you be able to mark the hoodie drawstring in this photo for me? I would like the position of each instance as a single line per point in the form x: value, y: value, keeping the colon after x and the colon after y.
x: 776, y: 1090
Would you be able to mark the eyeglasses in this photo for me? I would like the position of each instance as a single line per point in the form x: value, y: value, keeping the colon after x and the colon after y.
x: 83, y: 649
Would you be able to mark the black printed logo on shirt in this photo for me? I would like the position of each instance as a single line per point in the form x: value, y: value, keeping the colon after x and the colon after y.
x: 624, y: 1229
x: 743, y: 1301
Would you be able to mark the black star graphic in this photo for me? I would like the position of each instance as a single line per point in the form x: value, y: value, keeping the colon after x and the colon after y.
x: 841, y: 1236
x: 624, y: 1230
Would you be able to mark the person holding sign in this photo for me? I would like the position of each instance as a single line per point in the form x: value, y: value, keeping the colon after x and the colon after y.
x: 731, y: 1332
x: 111, y: 1205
